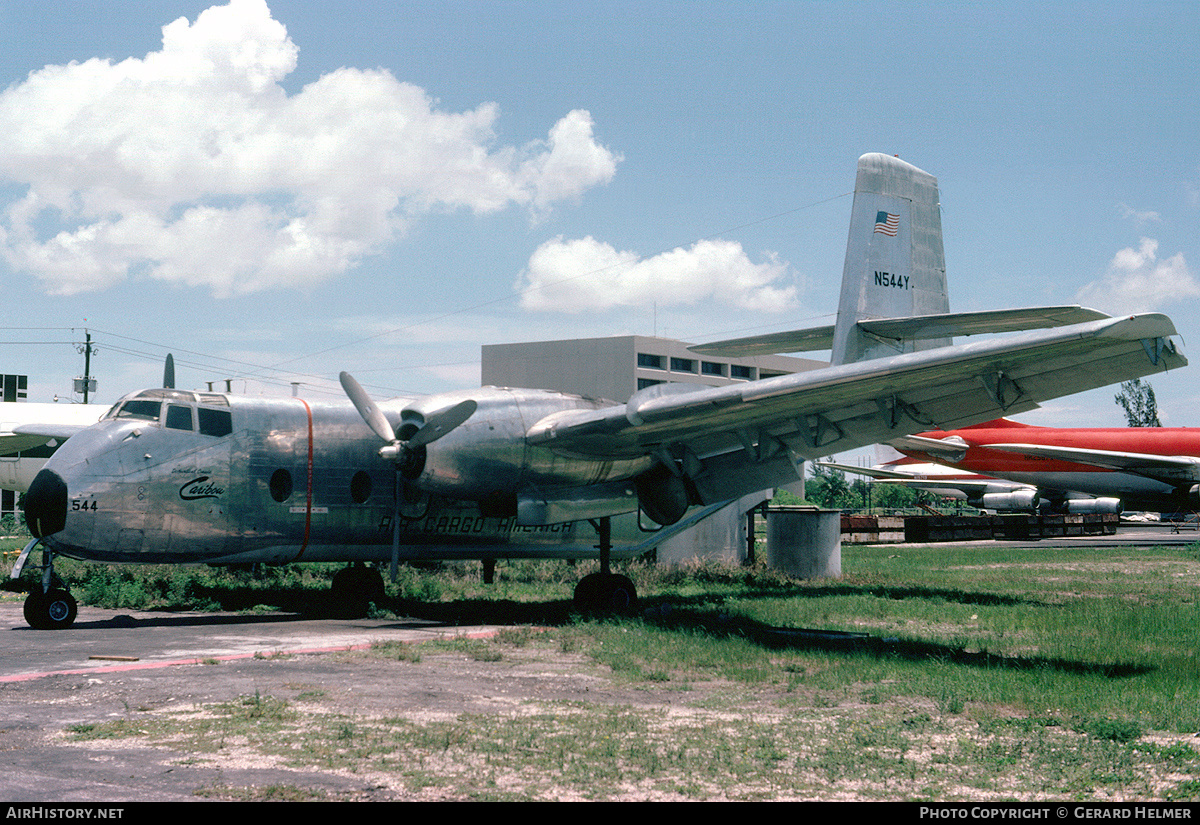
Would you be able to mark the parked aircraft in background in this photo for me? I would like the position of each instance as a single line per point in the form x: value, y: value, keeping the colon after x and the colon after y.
x: 22, y: 456
x: 1146, y: 468
x: 198, y: 477
x: 979, y: 490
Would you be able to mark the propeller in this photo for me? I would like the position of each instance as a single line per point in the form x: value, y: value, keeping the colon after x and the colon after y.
x: 436, y: 425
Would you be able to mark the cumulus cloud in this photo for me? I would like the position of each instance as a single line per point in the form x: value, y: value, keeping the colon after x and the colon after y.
x: 588, y: 275
x: 1138, y: 281
x: 194, y: 165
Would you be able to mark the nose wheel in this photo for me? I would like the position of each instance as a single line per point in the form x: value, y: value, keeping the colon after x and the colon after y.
x: 49, y: 605
x: 54, y: 610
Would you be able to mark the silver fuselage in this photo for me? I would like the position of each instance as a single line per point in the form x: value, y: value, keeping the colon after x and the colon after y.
x: 180, y: 477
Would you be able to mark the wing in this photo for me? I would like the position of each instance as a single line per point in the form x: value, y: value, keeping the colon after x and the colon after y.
x: 13, y: 443
x: 25, y: 426
x: 957, y: 486
x: 877, y: 473
x: 744, y: 437
x: 1170, y: 468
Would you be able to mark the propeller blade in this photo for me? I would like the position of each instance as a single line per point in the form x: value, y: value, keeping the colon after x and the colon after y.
x: 169, y: 372
x: 371, y: 414
x: 438, y: 424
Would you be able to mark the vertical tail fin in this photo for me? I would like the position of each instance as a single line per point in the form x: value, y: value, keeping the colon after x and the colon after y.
x: 895, y: 266
x: 894, y: 297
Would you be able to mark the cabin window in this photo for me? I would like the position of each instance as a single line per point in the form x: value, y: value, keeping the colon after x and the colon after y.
x: 179, y: 418
x: 215, y: 422
x: 281, y: 485
x: 360, y: 487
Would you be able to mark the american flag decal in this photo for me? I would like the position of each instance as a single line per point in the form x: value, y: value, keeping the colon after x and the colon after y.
x: 887, y: 223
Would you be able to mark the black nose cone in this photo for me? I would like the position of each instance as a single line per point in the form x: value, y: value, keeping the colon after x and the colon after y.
x: 46, y: 504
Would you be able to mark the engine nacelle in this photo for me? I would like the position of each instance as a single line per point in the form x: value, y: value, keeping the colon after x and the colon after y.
x: 487, y: 458
x: 663, y: 495
x: 1023, y: 500
x: 1091, y: 506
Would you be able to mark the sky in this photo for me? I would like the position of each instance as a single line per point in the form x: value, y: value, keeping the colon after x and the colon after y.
x: 274, y: 192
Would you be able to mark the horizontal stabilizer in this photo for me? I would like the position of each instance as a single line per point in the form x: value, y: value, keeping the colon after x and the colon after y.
x: 799, y: 340
x: 979, y: 323
x: 912, y: 328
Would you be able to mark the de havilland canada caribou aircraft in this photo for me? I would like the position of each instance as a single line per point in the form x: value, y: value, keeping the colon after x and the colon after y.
x: 170, y: 476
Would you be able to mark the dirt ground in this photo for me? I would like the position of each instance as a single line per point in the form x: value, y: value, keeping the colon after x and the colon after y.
x: 43, y: 763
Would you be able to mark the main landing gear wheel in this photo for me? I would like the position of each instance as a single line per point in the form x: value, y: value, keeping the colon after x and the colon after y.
x: 354, y: 588
x: 55, y: 610
x: 605, y: 593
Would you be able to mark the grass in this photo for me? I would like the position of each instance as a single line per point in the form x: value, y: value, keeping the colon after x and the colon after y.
x: 938, y: 673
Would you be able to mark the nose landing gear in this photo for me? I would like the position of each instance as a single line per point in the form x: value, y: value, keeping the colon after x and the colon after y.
x: 49, y: 605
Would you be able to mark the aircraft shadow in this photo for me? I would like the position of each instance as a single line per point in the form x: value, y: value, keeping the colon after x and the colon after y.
x: 695, y: 615
x: 691, y: 615
x: 865, y: 644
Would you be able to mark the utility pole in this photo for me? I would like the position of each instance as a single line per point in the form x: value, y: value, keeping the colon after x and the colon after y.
x: 87, y: 364
x: 84, y: 385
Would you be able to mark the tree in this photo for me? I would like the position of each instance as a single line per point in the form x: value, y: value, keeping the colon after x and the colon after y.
x: 1137, y: 399
x: 828, y: 488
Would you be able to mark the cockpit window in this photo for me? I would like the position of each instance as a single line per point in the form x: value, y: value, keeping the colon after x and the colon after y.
x: 179, y: 417
x: 147, y: 405
x: 138, y: 408
x: 214, y: 422
x: 168, y: 394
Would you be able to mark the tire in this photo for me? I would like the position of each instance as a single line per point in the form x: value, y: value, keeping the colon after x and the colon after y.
x: 599, y: 593
x: 353, y: 590
x: 55, y: 610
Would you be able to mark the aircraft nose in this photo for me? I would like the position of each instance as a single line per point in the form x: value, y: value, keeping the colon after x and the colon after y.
x: 46, y: 504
